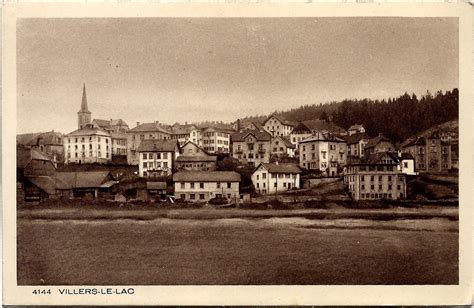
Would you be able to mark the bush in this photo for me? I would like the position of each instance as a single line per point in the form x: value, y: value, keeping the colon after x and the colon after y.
x: 218, y: 201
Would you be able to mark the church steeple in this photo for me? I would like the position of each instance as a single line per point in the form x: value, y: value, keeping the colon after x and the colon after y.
x: 84, y: 100
x: 83, y: 115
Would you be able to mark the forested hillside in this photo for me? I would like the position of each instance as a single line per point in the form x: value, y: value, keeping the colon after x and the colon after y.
x: 397, y: 118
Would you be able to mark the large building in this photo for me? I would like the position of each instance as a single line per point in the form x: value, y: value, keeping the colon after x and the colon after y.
x: 277, y: 177
x: 299, y: 133
x: 252, y: 147
x: 157, y: 157
x: 88, y: 145
x: 194, y: 158
x: 356, y: 143
x: 379, y: 144
x: 215, y: 139
x: 204, y: 185
x: 48, y: 143
x: 375, y: 176
x: 431, y: 153
x: 324, y: 152
x: 144, y: 131
x: 356, y: 129
x: 278, y: 126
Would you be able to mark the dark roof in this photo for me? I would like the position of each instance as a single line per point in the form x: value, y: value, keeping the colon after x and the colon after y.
x: 406, y: 156
x: 281, y: 167
x: 151, y: 127
x: 118, y: 135
x: 279, y: 118
x: 301, y: 128
x: 81, y: 179
x: 374, y: 159
x: 189, y: 158
x: 260, y: 135
x: 206, y: 176
x: 356, y: 127
x: 158, y: 145
x: 88, y: 131
x: 45, y: 183
x: 376, y: 140
x: 50, y: 138
x: 323, y: 137
x: 25, y: 155
x: 320, y: 125
x: 415, y: 141
x: 84, y: 101
x: 355, y: 138
x: 286, y: 141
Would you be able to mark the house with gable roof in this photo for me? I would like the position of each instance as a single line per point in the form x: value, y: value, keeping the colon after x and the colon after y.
x: 157, y: 157
x: 251, y: 147
x: 270, y: 178
x: 379, y: 144
x: 144, y: 131
x: 194, y: 157
x: 276, y: 125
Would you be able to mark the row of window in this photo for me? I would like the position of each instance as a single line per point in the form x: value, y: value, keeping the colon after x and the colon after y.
x: 83, y: 154
x: 372, y: 178
x: 372, y: 187
x: 201, y: 196
x: 323, y: 154
x: 84, y: 147
x: 352, y: 169
x: 192, y: 185
x: 250, y: 156
x: 163, y: 155
x: 151, y: 165
x: 90, y: 139
x: 378, y: 196
x: 285, y: 185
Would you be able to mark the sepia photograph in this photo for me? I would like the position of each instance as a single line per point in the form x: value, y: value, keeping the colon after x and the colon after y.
x: 236, y: 151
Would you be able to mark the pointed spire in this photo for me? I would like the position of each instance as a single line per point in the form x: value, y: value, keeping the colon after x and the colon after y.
x: 84, y: 100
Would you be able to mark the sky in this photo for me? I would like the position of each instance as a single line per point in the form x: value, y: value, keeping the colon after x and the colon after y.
x: 195, y: 69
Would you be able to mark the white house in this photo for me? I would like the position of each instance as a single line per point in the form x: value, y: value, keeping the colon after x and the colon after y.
x: 277, y: 126
x: 87, y: 145
x: 270, y: 178
x: 406, y: 163
x: 205, y: 185
x: 157, y: 157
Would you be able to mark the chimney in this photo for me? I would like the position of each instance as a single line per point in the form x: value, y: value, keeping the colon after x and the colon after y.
x: 138, y: 123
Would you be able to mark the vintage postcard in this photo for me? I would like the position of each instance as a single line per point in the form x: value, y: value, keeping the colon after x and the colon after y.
x: 276, y: 154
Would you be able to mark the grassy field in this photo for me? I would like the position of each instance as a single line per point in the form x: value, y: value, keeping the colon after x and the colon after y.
x: 294, y: 250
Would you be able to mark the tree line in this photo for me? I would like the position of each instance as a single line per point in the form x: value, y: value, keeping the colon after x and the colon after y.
x: 397, y: 118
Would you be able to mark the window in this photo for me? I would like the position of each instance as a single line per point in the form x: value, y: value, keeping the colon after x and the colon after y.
x: 201, y: 196
x: 258, y: 186
x: 145, y: 155
x: 165, y: 155
x: 275, y: 184
x: 362, y: 178
x: 380, y: 187
x: 372, y: 187
x: 201, y: 185
x: 264, y: 176
x: 219, y: 184
x: 165, y: 164
x: 389, y: 178
x: 398, y: 187
x: 380, y: 178
x: 144, y: 165
x: 192, y: 185
x: 389, y: 186
x: 229, y: 185
x: 371, y: 178
x: 182, y: 185
x: 192, y: 196
x: 362, y: 187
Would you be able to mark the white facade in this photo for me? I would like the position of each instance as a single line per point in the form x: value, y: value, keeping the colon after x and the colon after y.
x: 88, y: 147
x: 215, y: 141
x: 407, y: 166
x: 203, y: 191
x: 156, y: 163
x: 266, y: 182
x: 276, y: 127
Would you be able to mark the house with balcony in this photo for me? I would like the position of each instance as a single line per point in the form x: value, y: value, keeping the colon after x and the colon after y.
x: 157, y: 157
x: 194, y: 158
x: 251, y: 147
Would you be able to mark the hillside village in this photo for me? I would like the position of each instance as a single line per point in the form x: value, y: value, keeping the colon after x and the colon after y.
x: 245, y: 161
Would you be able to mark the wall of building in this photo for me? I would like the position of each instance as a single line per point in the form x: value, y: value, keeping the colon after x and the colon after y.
x: 133, y: 142
x: 270, y: 183
x: 88, y: 149
x: 151, y: 163
x: 252, y: 153
x: 208, y: 190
